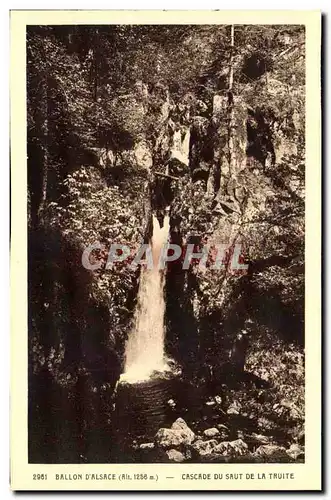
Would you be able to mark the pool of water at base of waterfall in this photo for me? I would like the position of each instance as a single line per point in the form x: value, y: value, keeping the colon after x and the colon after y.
x: 123, y: 420
x: 141, y: 409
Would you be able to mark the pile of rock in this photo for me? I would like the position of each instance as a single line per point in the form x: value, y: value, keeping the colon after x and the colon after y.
x: 179, y: 444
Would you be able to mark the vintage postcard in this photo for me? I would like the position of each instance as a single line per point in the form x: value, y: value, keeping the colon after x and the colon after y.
x: 166, y: 250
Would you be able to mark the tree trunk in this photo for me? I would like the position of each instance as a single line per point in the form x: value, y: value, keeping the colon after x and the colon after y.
x: 232, y: 157
x: 213, y: 182
x: 44, y: 145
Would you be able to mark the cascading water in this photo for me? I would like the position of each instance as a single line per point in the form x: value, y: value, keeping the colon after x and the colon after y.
x: 144, y: 353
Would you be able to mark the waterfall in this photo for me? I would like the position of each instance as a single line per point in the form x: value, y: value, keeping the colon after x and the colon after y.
x: 144, y: 352
x: 180, y: 146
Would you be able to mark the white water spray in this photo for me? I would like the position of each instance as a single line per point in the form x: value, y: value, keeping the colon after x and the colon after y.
x: 144, y: 353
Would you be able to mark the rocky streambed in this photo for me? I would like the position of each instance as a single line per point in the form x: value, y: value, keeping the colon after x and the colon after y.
x: 179, y: 443
x: 168, y: 420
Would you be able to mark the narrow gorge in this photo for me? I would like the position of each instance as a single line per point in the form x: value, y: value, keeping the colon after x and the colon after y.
x: 148, y: 136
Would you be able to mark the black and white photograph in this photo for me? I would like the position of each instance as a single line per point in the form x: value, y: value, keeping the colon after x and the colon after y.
x: 166, y: 204
x: 165, y: 211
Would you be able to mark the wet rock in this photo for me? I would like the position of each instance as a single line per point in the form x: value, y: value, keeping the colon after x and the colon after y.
x: 239, y: 447
x: 211, y: 449
x: 210, y: 403
x: 223, y: 448
x: 259, y: 438
x: 203, y: 448
x: 180, y: 146
x: 147, y: 446
x: 181, y: 426
x: 223, y: 431
x: 232, y: 448
x: 296, y: 451
x: 268, y: 450
x: 167, y: 438
x: 175, y: 456
x: 212, y: 432
x: 179, y: 435
x: 223, y: 427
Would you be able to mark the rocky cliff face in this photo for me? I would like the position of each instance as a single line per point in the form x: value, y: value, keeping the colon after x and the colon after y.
x: 180, y: 158
x: 230, y: 166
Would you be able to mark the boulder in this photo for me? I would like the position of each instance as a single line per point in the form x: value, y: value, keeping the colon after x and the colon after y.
x: 210, y: 403
x: 232, y: 448
x: 175, y: 456
x: 167, y: 438
x: 147, y: 446
x: 259, y: 438
x: 296, y: 451
x: 239, y: 447
x: 203, y: 448
x: 223, y: 427
x: 179, y: 435
x: 224, y: 449
x: 268, y: 450
x: 212, y: 432
x: 212, y: 449
x: 181, y: 426
x: 223, y: 431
